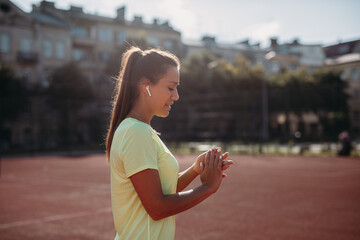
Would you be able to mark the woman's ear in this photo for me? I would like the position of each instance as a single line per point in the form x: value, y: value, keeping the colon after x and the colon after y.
x: 146, y: 87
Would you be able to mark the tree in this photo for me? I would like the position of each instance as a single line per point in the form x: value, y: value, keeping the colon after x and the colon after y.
x: 69, y: 92
x: 332, y: 102
x: 321, y: 92
x: 13, y: 100
x: 219, y: 100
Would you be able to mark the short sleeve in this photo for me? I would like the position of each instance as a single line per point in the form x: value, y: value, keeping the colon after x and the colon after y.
x: 139, y: 151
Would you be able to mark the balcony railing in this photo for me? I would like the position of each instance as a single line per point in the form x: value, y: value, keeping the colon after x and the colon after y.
x: 27, y: 57
x: 79, y: 41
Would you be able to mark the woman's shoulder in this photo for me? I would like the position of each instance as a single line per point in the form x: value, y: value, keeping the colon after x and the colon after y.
x: 131, y: 126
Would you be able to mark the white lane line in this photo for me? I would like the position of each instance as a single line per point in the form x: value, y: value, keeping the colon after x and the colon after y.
x: 54, y: 218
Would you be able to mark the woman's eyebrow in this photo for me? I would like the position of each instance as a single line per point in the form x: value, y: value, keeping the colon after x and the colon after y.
x: 175, y: 82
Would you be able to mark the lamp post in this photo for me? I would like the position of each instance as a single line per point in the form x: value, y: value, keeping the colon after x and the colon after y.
x: 265, y: 101
x: 265, y: 110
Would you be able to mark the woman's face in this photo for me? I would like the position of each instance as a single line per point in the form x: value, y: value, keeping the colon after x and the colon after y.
x: 164, y: 93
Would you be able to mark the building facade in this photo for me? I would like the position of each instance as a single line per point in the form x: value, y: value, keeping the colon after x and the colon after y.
x: 226, y: 51
x: 34, y: 44
x: 346, y: 57
x: 294, y: 55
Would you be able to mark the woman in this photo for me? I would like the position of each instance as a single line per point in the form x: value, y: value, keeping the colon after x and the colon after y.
x: 146, y: 186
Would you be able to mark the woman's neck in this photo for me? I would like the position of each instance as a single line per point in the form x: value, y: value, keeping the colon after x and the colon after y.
x: 141, y: 111
x: 139, y: 115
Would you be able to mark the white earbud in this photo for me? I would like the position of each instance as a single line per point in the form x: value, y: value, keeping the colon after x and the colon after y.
x: 147, y: 88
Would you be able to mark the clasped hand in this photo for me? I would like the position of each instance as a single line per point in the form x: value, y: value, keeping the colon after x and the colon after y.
x: 198, y: 166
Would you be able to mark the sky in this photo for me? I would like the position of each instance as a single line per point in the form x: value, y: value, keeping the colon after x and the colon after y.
x: 322, y: 22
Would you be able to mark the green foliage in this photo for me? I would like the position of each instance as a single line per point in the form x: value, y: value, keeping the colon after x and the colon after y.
x: 210, y: 85
x: 330, y: 88
x: 13, y: 95
x: 69, y: 92
x: 207, y: 74
x: 195, y: 73
x: 69, y: 88
x: 322, y: 92
x: 13, y: 101
x: 332, y: 102
x: 219, y: 100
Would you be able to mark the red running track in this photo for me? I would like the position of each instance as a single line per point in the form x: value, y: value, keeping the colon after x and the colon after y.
x: 264, y: 197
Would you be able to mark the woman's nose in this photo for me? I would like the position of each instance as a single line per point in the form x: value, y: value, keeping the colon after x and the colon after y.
x: 176, y: 96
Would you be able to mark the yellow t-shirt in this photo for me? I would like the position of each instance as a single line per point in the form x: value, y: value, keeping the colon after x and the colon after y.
x: 136, y: 147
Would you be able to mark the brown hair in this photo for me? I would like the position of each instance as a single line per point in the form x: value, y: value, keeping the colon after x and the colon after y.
x: 136, y: 64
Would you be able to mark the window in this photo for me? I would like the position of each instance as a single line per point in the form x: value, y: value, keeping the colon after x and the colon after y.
x: 293, y: 67
x: 343, y: 75
x: 80, y: 54
x: 25, y: 44
x: 275, y: 67
x: 343, y: 49
x: 4, y: 43
x: 355, y: 74
x: 26, y: 74
x: 105, y: 35
x: 60, y: 50
x: 79, y: 32
x: 356, y: 116
x: 104, y: 56
x: 121, y: 36
x: 355, y: 94
x: 47, y: 49
x: 46, y: 78
x: 168, y: 44
x: 153, y: 41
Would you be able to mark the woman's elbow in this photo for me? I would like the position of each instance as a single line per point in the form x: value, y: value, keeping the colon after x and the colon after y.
x: 156, y: 211
x: 156, y: 215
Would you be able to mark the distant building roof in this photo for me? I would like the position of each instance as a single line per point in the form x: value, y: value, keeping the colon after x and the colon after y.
x: 49, y: 14
x: 274, y: 45
x: 207, y: 42
x: 8, y: 8
x: 49, y: 20
x: 346, y: 58
x: 342, y: 48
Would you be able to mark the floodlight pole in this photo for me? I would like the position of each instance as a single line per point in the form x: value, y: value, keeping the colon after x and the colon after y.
x: 265, y: 98
x: 265, y: 110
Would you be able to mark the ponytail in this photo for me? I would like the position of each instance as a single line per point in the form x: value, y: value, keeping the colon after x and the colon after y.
x: 124, y: 95
x: 135, y: 65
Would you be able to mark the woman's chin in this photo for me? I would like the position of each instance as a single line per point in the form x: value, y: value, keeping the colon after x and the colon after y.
x: 163, y: 114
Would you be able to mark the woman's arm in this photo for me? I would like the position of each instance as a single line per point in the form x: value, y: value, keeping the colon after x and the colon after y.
x: 185, y: 178
x: 148, y: 187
